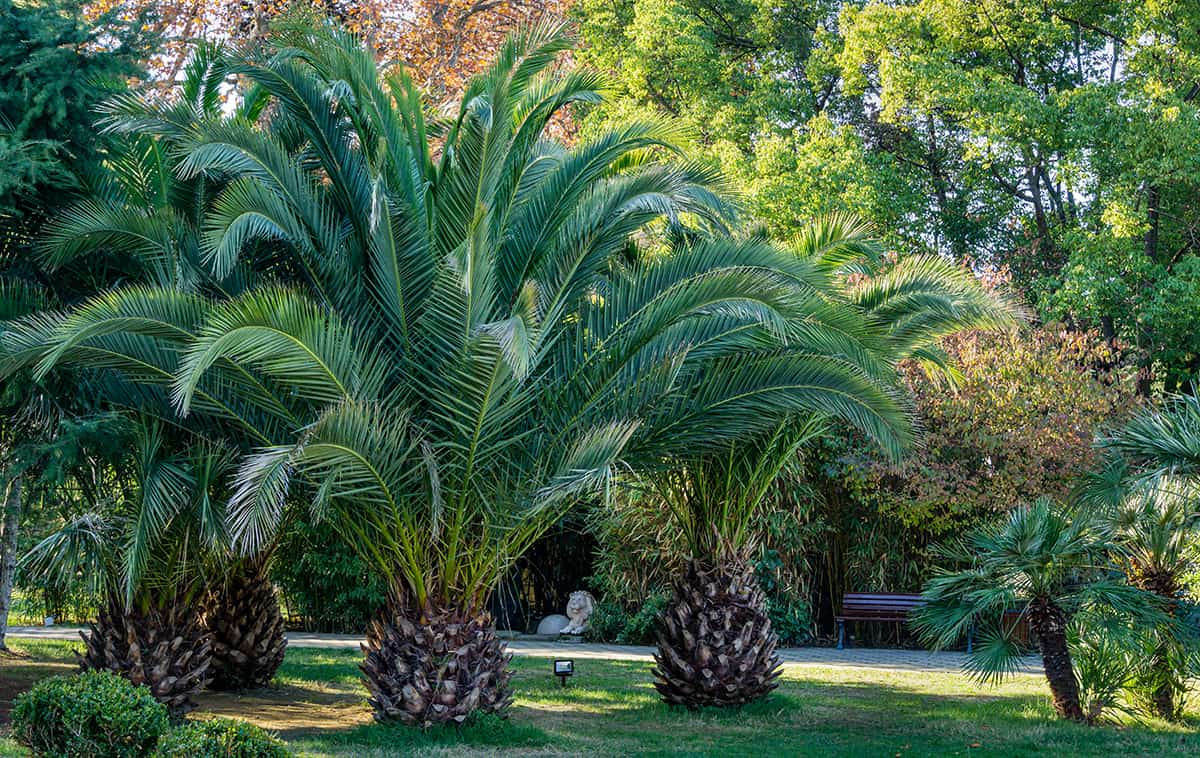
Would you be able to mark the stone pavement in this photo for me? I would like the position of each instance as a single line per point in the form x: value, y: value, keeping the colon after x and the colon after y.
x: 884, y: 659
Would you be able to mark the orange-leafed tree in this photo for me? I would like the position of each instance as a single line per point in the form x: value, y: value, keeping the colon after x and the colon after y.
x: 443, y: 42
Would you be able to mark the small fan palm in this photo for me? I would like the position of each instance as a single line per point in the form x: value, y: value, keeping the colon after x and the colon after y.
x: 1150, y: 495
x: 1165, y: 438
x: 1045, y: 565
x: 715, y: 642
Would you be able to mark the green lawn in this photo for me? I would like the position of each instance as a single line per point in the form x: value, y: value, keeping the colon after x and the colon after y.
x: 610, y: 709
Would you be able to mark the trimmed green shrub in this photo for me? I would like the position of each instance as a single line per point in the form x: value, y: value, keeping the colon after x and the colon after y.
x: 96, y: 714
x: 220, y: 738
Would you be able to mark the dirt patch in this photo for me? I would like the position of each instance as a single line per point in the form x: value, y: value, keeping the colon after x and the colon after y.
x: 290, y: 711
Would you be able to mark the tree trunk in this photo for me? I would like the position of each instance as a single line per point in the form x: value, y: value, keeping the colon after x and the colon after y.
x: 435, y: 665
x: 1164, y: 679
x: 1050, y: 623
x: 716, y: 646
x: 243, y: 617
x: 1151, y: 239
x: 8, y: 553
x: 167, y: 649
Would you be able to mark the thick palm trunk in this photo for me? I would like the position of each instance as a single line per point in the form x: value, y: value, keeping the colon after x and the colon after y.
x: 715, y: 642
x: 435, y: 665
x: 167, y: 650
x: 8, y: 553
x: 1049, y: 622
x: 247, y: 629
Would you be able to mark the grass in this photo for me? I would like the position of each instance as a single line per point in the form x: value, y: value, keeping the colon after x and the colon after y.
x: 610, y: 708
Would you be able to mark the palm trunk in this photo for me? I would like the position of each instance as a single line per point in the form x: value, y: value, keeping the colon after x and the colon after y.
x: 1165, y: 679
x: 1049, y: 622
x: 247, y: 629
x: 435, y: 665
x: 165, y: 649
x: 8, y: 554
x: 715, y: 642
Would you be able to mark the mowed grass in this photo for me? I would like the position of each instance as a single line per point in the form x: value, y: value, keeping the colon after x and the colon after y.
x: 610, y: 708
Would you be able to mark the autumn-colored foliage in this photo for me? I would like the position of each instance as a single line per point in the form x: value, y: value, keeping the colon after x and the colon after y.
x: 443, y: 42
x: 1019, y: 424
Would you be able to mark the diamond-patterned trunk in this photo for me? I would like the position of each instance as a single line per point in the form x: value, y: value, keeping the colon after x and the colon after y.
x: 434, y: 666
x: 715, y: 642
x: 247, y: 630
x: 168, y: 650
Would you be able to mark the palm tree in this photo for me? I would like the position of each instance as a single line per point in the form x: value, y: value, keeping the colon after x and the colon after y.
x: 1149, y: 493
x: 1163, y: 439
x: 148, y: 556
x: 1041, y: 562
x: 143, y: 223
x: 460, y: 338
x: 715, y: 642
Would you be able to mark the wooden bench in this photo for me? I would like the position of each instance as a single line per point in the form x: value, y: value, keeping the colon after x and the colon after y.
x: 874, y: 606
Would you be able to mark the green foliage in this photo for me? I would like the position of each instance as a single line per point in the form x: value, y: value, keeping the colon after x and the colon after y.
x: 791, y: 620
x: 611, y: 623
x: 1053, y: 145
x: 95, y: 714
x: 1016, y: 422
x: 324, y: 581
x: 220, y: 738
x: 56, y: 66
x: 462, y: 331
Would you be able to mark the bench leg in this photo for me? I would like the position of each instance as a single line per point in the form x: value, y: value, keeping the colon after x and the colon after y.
x: 841, y: 635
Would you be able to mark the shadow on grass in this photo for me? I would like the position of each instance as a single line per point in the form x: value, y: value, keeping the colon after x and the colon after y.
x: 480, y: 732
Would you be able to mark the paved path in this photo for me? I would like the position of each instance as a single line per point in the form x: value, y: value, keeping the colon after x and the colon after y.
x: 886, y: 659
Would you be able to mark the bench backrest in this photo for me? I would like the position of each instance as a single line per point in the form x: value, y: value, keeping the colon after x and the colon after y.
x: 880, y: 604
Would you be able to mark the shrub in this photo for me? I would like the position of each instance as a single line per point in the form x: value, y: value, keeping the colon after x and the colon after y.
x: 324, y: 582
x: 611, y: 623
x: 220, y: 738
x: 95, y: 714
x: 791, y: 620
x: 606, y: 622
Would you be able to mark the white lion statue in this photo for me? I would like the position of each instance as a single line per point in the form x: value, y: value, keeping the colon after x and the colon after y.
x: 579, y: 608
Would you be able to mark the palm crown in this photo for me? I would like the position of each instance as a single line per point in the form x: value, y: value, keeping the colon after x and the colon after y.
x: 453, y: 339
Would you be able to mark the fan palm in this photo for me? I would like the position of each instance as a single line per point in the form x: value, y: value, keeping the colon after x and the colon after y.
x: 1150, y: 495
x: 715, y: 642
x: 1040, y: 562
x: 148, y: 557
x: 459, y: 340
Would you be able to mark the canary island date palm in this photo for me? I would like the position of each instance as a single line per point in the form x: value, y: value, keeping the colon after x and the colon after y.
x: 147, y: 556
x: 460, y: 333
x: 715, y: 644
x: 1047, y: 565
x: 142, y: 224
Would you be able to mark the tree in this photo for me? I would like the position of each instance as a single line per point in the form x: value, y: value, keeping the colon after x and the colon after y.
x: 1040, y: 562
x: 1052, y: 142
x: 55, y: 68
x: 441, y: 42
x: 142, y: 224
x: 715, y: 644
x: 1149, y: 493
x: 465, y: 340
x: 146, y: 557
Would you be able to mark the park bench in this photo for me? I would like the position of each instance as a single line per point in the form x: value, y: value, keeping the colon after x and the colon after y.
x: 881, y: 606
x: 874, y: 606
